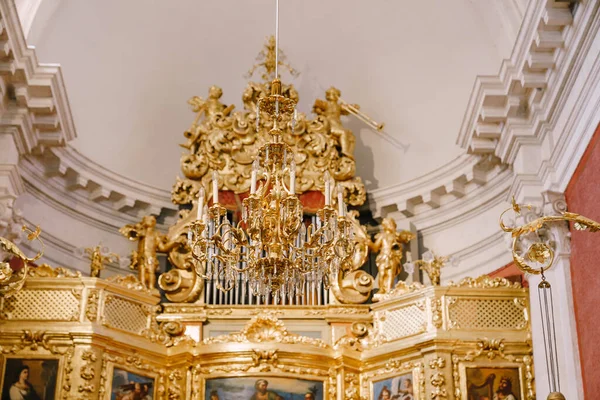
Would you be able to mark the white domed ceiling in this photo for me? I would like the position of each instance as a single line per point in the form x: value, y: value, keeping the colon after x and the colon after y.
x: 130, y: 66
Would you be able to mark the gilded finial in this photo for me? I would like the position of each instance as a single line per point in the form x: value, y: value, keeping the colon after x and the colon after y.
x: 98, y: 259
x: 267, y: 60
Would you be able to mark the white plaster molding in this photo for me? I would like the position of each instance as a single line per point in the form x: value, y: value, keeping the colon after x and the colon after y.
x: 509, y: 110
x: 76, y: 204
x: 35, y: 108
x: 74, y: 178
x: 27, y: 10
x: 433, y: 190
x: 567, y: 134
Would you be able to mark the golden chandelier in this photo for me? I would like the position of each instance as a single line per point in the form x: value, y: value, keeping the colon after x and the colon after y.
x: 271, y: 249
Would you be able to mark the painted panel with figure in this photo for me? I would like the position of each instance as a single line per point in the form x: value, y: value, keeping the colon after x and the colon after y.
x: 397, y: 388
x: 25, y: 379
x: 253, y: 388
x: 129, y: 386
x: 493, y: 384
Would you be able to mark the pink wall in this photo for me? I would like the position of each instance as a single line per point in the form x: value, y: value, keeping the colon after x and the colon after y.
x: 583, y: 197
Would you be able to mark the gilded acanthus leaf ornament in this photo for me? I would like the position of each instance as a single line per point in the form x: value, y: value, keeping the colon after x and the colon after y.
x: 485, y: 282
x: 224, y: 140
x: 46, y: 271
x: 13, y: 274
x: 265, y: 328
x: 353, y: 285
x: 538, y: 256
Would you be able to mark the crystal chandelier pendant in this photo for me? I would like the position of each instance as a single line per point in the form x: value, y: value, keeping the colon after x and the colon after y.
x: 272, y: 250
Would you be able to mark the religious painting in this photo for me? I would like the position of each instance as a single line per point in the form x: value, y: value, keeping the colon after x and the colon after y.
x: 25, y: 379
x: 399, y: 387
x: 267, y: 388
x: 493, y: 383
x: 127, y: 385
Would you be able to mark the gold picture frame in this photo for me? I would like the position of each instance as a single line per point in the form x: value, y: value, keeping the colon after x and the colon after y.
x: 498, y: 370
x: 277, y: 383
x: 35, y: 365
x: 485, y: 369
x: 392, y: 371
x: 135, y: 369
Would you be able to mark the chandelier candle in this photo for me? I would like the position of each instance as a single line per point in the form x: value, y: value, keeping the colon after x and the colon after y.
x: 201, y: 195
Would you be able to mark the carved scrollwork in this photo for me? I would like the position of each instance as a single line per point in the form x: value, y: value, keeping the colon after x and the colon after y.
x: 486, y: 282
x: 438, y: 379
x: 265, y: 328
x: 46, y: 271
x: 87, y: 373
x: 11, y: 281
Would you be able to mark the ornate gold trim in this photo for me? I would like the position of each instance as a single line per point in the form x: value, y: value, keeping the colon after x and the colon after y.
x: 391, y: 369
x: 265, y: 328
x: 134, y: 364
x: 438, y: 379
x: 490, y: 349
x: 87, y: 372
x: 485, y: 282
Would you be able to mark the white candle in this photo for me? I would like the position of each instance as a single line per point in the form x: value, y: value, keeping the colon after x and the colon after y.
x: 340, y: 196
x: 254, y: 176
x: 327, y: 179
x: 293, y: 176
x: 215, y: 184
x: 200, y: 203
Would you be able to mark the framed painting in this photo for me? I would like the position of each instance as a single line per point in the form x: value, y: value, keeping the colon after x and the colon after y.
x: 397, y: 387
x: 30, y: 378
x: 487, y: 381
x: 270, y: 388
x: 128, y: 385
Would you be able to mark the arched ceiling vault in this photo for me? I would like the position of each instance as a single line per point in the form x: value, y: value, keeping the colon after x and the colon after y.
x: 130, y: 66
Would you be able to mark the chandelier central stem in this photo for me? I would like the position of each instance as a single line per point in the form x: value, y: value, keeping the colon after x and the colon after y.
x: 276, y: 39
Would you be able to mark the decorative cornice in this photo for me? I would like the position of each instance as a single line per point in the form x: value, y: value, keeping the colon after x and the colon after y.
x: 35, y: 108
x: 435, y: 189
x: 508, y: 111
x: 72, y: 177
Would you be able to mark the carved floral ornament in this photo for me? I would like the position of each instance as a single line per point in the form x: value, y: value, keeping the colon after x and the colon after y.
x: 492, y: 352
x: 224, y: 140
x: 265, y: 328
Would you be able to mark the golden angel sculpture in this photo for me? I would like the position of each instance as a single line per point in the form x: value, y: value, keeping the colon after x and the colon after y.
x: 388, y: 243
x: 150, y: 241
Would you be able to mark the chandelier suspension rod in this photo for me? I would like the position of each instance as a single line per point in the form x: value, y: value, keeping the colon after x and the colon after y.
x: 276, y: 38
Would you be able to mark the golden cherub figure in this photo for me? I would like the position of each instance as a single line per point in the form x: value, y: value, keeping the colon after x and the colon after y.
x: 209, y: 108
x: 150, y: 241
x: 389, y: 243
x: 332, y: 109
x: 98, y: 260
